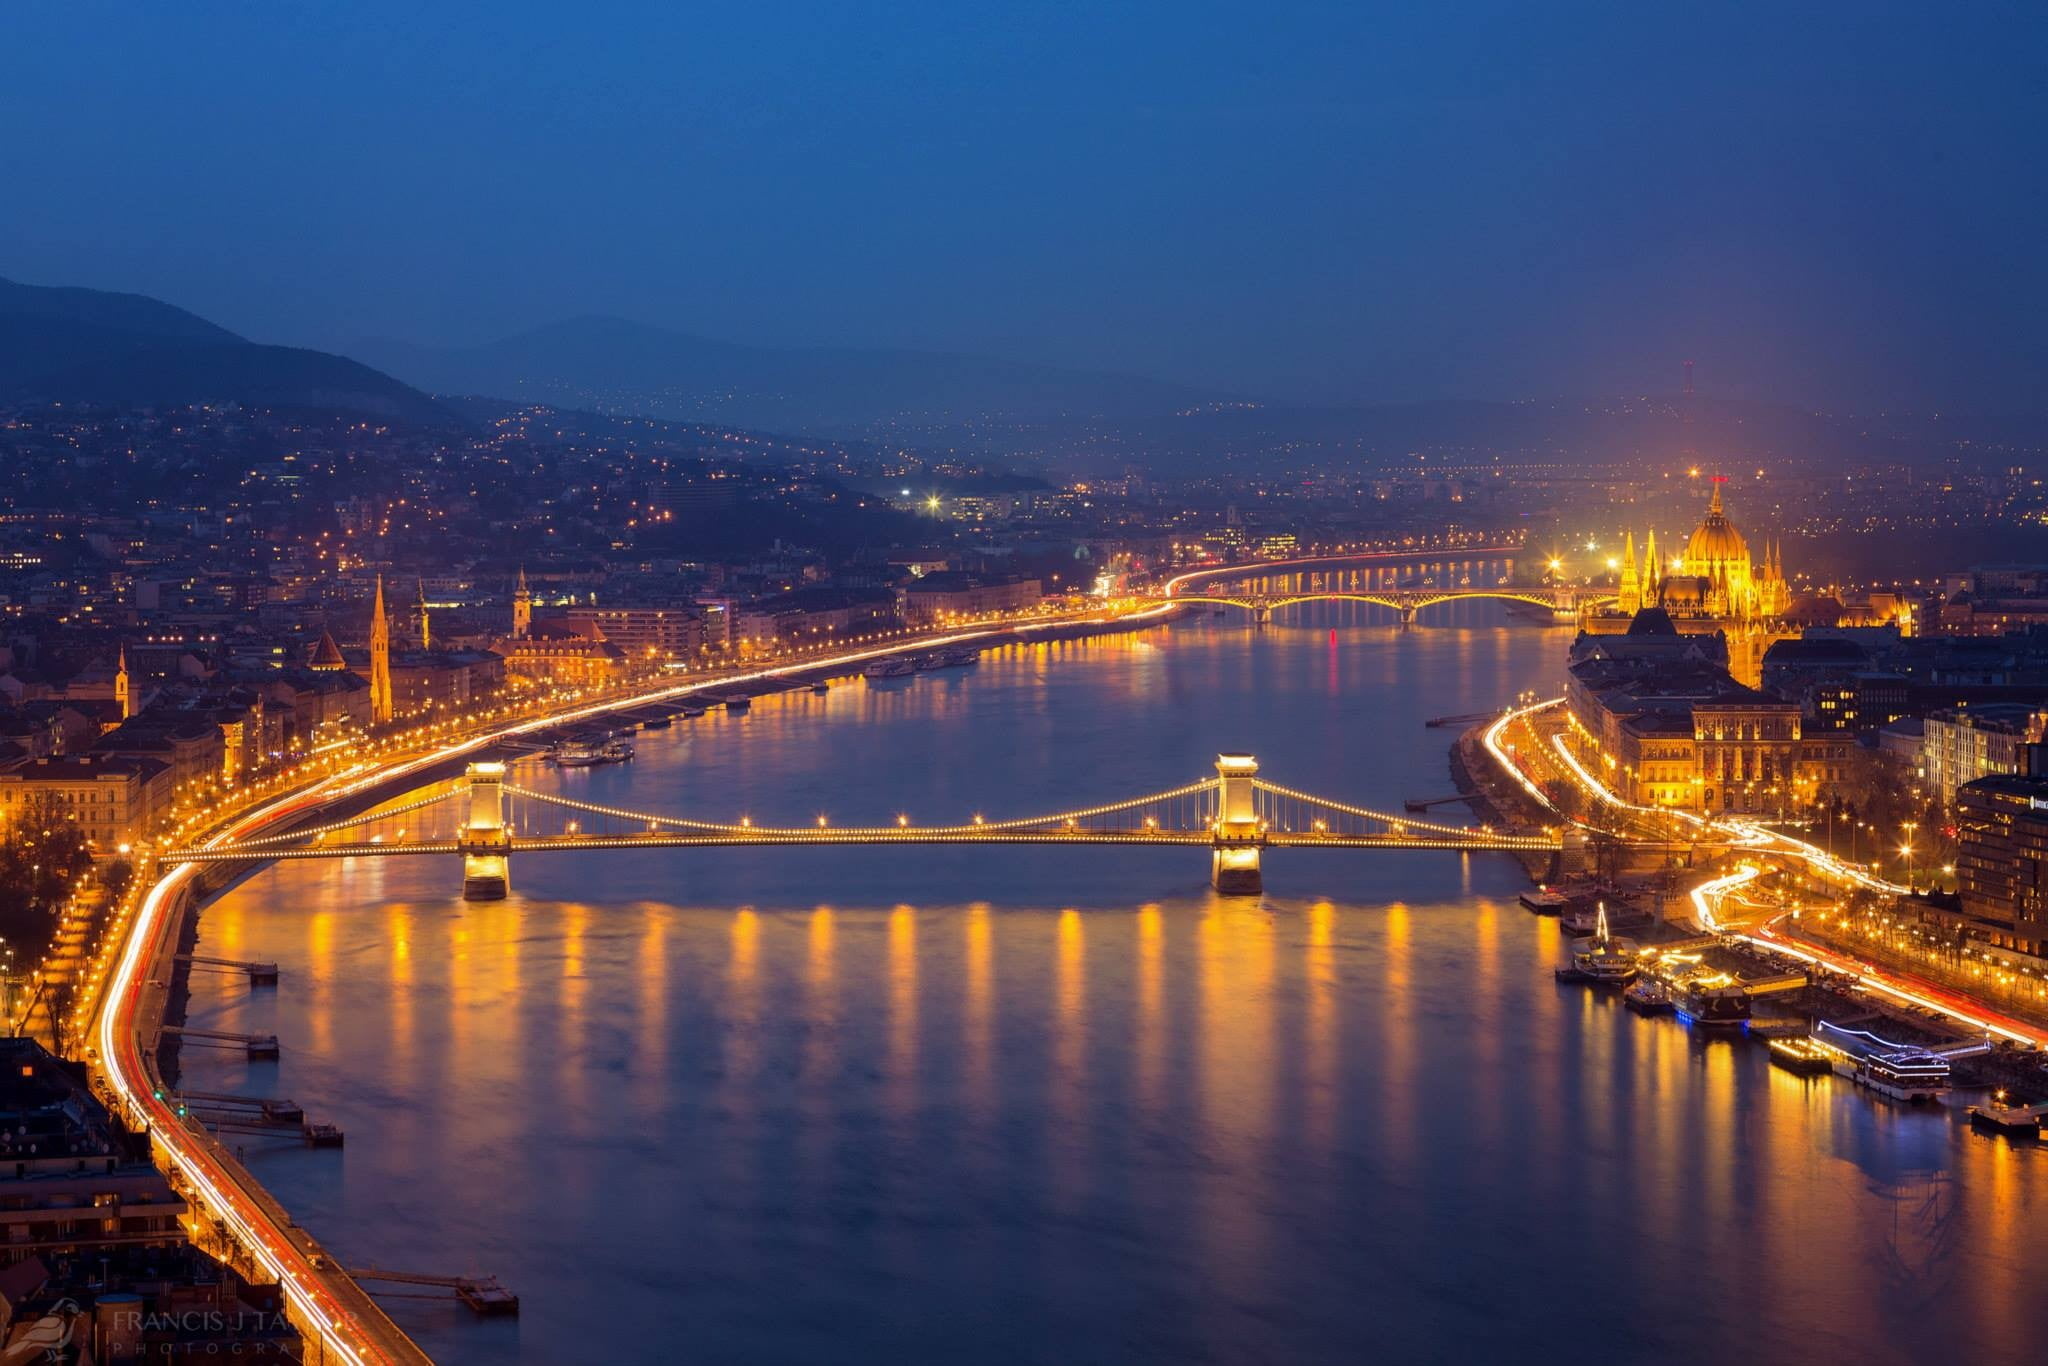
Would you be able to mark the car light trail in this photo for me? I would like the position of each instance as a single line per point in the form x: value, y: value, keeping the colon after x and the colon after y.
x: 1748, y: 835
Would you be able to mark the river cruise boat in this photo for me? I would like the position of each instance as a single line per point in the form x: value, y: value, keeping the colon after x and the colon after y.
x: 1545, y: 901
x: 1712, y: 1001
x: 588, y: 753
x: 1902, y: 1071
x: 959, y: 659
x: 1909, y: 1074
x: 897, y: 667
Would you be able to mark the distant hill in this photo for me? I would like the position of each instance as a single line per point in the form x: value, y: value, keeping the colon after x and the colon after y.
x: 615, y: 366
x: 68, y: 345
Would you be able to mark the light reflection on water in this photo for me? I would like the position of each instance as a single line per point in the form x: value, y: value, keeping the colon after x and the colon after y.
x: 1041, y: 1105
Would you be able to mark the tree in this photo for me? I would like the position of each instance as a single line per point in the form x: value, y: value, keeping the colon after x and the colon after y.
x: 42, y: 855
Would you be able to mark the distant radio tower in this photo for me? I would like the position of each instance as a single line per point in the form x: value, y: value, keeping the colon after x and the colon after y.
x: 1685, y: 417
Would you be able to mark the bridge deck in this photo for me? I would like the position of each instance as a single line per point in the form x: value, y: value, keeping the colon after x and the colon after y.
x: 541, y: 844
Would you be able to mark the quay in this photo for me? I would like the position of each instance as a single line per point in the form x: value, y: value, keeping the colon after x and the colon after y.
x: 259, y: 974
x: 483, y: 1294
x: 257, y: 1045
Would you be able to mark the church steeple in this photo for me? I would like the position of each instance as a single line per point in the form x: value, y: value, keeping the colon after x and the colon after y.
x: 522, y: 607
x: 122, y: 689
x: 1630, y: 588
x: 1653, y: 573
x: 380, y: 659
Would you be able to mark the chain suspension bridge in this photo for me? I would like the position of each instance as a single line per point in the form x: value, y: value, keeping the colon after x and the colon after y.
x: 1237, y: 815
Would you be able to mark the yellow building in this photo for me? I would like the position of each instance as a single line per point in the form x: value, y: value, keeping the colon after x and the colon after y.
x: 1714, y: 586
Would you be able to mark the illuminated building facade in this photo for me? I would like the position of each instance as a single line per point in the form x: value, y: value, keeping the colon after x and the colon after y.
x: 1714, y: 586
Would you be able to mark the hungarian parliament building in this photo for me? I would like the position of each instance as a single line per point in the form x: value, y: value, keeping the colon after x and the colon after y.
x: 1664, y: 687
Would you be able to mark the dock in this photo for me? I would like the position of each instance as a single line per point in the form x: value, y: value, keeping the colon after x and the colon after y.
x: 483, y: 1294
x: 228, y: 1113
x: 260, y: 974
x: 257, y: 1045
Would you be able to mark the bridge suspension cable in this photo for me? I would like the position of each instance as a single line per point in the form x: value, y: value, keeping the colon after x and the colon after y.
x: 333, y: 827
x: 1365, y: 813
x: 978, y: 826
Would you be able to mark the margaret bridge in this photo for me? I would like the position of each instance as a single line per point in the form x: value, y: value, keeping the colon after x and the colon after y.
x: 1262, y: 589
x: 1236, y: 814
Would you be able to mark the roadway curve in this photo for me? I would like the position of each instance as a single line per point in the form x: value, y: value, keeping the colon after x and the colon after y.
x: 1763, y: 842
x: 337, y: 1319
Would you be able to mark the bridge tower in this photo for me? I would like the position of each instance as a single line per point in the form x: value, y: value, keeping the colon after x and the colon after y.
x: 1237, y: 836
x: 485, y: 842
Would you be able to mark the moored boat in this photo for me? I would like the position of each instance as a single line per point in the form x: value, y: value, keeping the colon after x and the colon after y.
x: 1712, y: 1000
x: 1902, y: 1071
x: 1801, y: 1057
x: 1648, y: 996
x: 1606, y: 959
x: 895, y: 667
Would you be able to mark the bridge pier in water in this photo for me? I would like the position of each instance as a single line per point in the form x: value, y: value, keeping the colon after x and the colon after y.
x: 1237, y: 838
x: 485, y: 843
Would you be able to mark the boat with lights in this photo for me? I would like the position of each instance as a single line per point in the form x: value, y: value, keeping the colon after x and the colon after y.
x: 1712, y: 1000
x: 897, y: 667
x: 1648, y: 996
x: 1801, y: 1057
x: 1605, y: 958
x: 1909, y: 1072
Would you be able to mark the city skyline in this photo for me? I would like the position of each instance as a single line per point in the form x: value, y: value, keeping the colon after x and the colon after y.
x: 1153, y: 684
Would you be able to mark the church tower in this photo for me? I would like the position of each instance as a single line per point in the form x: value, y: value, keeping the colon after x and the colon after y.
x: 522, y: 607
x: 122, y: 688
x: 1653, y: 574
x: 1631, y: 589
x: 380, y: 659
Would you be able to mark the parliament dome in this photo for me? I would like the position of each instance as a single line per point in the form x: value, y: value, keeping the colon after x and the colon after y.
x: 1715, y: 541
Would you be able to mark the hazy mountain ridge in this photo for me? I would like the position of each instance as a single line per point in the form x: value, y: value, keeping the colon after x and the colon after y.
x: 64, y: 344
x: 614, y: 365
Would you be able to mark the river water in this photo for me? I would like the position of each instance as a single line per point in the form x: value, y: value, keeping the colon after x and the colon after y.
x: 1064, y: 1104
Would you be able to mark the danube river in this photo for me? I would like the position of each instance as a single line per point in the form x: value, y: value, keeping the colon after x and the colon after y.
x: 1064, y: 1105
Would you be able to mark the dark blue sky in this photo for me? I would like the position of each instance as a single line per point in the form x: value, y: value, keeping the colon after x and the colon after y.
x: 1842, y: 203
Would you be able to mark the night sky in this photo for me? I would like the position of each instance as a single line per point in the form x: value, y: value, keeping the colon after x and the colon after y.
x: 1840, y: 204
